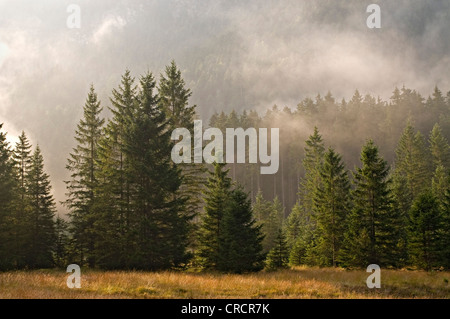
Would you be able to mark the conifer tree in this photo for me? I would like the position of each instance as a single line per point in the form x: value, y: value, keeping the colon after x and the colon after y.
x: 229, y: 238
x: 314, y: 152
x: 241, y: 237
x: 156, y: 214
x: 374, y: 224
x: 42, y: 232
x: 261, y: 207
x: 174, y: 99
x: 299, y: 236
x: 22, y: 159
x: 439, y: 148
x: 272, y: 224
x: 412, y: 162
x: 216, y: 197
x: 301, y: 221
x: 439, y: 184
x: 425, y: 231
x: 278, y: 256
x: 83, y: 166
x: 112, y: 204
x: 7, y: 193
x: 331, y: 205
x: 445, y: 207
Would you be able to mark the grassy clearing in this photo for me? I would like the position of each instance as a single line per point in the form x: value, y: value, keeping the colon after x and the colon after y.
x: 294, y: 283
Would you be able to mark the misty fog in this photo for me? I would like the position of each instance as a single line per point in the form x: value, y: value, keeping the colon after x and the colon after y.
x: 233, y: 55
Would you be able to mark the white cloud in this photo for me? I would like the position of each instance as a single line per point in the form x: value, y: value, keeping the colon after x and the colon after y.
x: 109, y: 24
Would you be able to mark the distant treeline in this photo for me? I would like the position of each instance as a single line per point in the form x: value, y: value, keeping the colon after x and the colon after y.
x: 131, y: 207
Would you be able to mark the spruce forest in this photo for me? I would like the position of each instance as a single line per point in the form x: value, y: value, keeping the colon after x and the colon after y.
x: 368, y: 184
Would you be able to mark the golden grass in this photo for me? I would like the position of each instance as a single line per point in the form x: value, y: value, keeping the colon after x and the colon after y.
x: 300, y: 282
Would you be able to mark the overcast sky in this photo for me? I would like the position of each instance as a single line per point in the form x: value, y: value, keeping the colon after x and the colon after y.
x: 233, y: 54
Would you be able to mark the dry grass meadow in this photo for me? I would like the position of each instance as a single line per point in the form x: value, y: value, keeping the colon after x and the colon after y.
x: 293, y: 283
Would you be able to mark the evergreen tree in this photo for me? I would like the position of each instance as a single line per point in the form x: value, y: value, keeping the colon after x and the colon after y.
x: 174, y: 99
x: 241, y: 238
x: 299, y: 236
x: 7, y: 193
x: 83, y: 166
x: 374, y: 225
x: 272, y: 224
x: 445, y: 251
x: 112, y: 204
x: 331, y: 205
x: 412, y: 162
x: 278, y: 256
x: 425, y: 228
x: 157, y: 227
x: 42, y: 232
x: 314, y: 152
x: 302, y: 214
x: 229, y: 239
x: 216, y: 197
x: 22, y: 159
x: 439, y: 148
x: 261, y: 208
x: 439, y: 184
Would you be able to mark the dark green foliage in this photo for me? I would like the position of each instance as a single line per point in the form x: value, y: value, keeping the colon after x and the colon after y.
x: 156, y: 214
x: 140, y: 220
x: 278, y: 256
x: 7, y: 193
x: 439, y: 148
x: 241, y: 237
x: 174, y: 100
x: 314, y: 152
x: 216, y: 197
x: 445, y: 206
x: 229, y: 239
x: 270, y: 216
x: 21, y: 209
x: 425, y: 231
x: 412, y: 163
x: 83, y: 166
x: 331, y: 206
x: 374, y: 224
x: 112, y: 205
x: 38, y: 252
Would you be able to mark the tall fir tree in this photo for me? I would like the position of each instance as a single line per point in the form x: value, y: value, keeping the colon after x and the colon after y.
x: 425, y: 231
x: 314, y: 153
x: 241, y: 237
x: 20, y: 223
x: 8, y: 191
x: 83, y: 166
x: 374, y: 224
x: 216, y: 199
x: 302, y: 213
x: 445, y: 207
x: 174, y: 99
x: 112, y: 205
x: 156, y: 214
x: 39, y: 252
x: 411, y: 163
x: 229, y: 237
x: 331, y: 206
